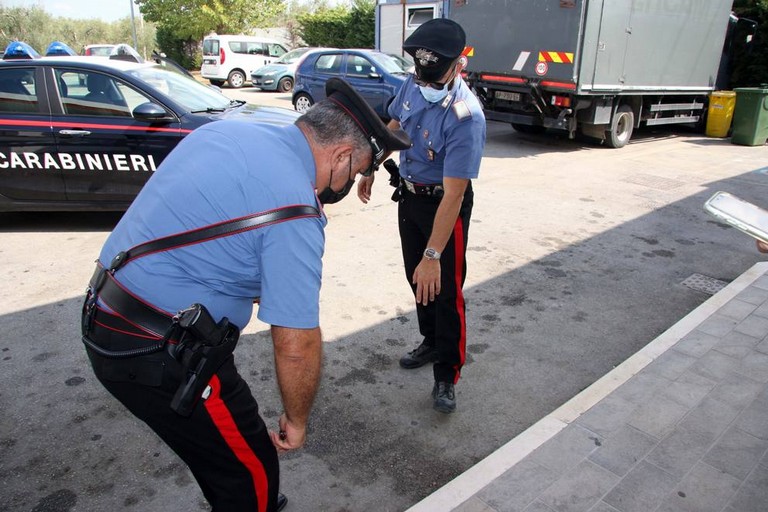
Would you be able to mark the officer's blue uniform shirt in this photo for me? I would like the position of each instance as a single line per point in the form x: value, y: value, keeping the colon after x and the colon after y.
x: 448, y: 136
x: 221, y: 171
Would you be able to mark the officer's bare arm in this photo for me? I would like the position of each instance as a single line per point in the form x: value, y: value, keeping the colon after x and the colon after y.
x: 426, y: 277
x: 298, y: 358
x: 447, y: 212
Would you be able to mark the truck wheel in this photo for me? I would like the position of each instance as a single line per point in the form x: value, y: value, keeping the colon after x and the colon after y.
x: 621, y: 127
x: 236, y: 79
x: 528, y: 128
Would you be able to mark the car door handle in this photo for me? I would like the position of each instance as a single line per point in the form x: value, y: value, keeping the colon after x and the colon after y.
x: 74, y: 133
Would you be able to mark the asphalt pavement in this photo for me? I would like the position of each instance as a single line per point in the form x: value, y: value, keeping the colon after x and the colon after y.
x: 579, y: 258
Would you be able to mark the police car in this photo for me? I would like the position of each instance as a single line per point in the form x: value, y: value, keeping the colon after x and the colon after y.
x: 78, y: 133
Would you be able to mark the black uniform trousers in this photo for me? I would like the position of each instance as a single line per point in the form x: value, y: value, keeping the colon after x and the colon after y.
x: 224, y: 442
x: 442, y: 322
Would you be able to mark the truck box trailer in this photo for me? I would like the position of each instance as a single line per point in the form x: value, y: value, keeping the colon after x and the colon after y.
x: 600, y: 67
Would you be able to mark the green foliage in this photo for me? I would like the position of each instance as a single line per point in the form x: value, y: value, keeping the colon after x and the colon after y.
x: 38, y: 28
x: 750, y: 67
x: 193, y: 19
x: 340, y: 27
x: 185, y: 52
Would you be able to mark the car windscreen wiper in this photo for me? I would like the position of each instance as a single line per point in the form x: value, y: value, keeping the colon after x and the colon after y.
x: 236, y: 103
x: 209, y: 110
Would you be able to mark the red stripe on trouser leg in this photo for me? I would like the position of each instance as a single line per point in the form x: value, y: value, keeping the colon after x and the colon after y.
x: 226, y: 425
x: 458, y: 238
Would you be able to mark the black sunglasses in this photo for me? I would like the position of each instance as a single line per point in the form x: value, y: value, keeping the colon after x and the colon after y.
x: 438, y: 86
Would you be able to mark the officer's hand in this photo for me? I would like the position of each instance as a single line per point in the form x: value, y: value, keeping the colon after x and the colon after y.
x: 364, y: 187
x: 290, y: 436
x: 762, y: 246
x: 426, y: 277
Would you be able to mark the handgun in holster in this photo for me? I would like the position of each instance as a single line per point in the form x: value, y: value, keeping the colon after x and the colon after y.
x: 203, y: 348
x: 394, y: 177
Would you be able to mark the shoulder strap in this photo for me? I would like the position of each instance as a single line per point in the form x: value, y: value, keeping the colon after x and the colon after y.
x: 218, y: 230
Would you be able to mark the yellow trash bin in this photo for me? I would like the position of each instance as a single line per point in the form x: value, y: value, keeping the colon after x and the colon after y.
x: 720, y: 113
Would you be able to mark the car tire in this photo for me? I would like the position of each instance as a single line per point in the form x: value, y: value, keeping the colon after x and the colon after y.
x: 236, y: 79
x: 621, y: 127
x: 217, y: 83
x: 285, y: 84
x: 302, y: 102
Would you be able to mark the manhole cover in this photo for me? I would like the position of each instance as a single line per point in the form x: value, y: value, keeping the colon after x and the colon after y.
x: 706, y: 284
x: 651, y: 181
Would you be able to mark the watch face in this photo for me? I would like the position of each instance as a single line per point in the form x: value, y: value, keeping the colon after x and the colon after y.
x: 431, y: 254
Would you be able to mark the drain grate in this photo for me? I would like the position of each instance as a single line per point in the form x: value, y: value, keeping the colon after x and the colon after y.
x: 702, y: 283
x: 651, y: 181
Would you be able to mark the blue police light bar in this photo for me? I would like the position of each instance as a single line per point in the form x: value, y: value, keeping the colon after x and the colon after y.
x: 19, y: 50
x: 58, y: 49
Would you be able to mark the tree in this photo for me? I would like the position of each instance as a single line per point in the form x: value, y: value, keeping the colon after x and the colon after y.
x: 193, y: 19
x: 340, y: 27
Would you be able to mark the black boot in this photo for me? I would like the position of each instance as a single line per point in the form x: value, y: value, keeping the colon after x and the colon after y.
x: 282, y: 501
x: 444, y: 396
x: 418, y: 357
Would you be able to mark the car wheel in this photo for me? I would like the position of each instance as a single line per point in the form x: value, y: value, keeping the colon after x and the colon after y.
x: 621, y: 127
x: 302, y: 102
x: 217, y: 83
x: 236, y: 79
x: 285, y: 84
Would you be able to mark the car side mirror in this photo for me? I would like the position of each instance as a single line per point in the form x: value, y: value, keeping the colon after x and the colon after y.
x: 374, y: 76
x: 150, y: 112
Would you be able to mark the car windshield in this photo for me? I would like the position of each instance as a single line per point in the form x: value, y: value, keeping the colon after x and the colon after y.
x: 184, y: 90
x: 387, y: 63
x: 292, y: 56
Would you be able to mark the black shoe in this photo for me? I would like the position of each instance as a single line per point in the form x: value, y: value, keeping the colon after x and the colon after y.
x: 445, y: 397
x: 418, y: 357
x: 282, y: 501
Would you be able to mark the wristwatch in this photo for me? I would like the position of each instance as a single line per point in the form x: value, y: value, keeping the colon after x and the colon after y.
x: 431, y: 254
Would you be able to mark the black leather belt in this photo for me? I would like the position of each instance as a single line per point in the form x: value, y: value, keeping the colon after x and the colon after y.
x: 119, y: 299
x: 422, y: 190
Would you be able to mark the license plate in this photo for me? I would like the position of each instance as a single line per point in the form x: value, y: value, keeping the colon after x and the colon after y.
x: 508, y: 96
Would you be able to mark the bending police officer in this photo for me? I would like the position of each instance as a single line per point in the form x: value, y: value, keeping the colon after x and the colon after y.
x: 178, y: 274
x: 446, y: 124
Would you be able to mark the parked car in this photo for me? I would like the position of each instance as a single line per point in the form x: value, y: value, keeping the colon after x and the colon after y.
x: 375, y: 75
x: 98, y: 50
x: 66, y: 146
x: 404, y: 63
x: 230, y: 59
x: 279, y: 75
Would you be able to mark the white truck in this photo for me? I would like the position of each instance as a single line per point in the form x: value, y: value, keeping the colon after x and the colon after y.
x: 599, y: 67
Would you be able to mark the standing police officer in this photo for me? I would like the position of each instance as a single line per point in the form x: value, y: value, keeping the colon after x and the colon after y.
x: 446, y: 124
x: 165, y: 304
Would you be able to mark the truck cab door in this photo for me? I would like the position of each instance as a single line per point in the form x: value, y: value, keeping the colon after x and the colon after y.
x: 612, y: 40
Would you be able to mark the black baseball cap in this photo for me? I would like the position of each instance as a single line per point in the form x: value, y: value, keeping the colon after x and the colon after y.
x: 382, y: 139
x: 434, y: 46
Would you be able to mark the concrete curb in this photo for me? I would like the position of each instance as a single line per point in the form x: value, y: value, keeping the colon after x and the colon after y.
x: 464, y: 486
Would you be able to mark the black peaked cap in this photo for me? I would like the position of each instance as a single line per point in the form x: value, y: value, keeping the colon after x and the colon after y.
x: 342, y: 94
x: 434, y: 46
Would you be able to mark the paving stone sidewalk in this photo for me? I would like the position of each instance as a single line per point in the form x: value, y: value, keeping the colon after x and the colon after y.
x: 680, y: 427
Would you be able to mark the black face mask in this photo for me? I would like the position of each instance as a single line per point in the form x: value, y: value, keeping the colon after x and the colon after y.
x: 330, y: 196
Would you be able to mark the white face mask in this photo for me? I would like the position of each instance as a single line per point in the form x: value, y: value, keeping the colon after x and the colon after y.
x: 433, y: 95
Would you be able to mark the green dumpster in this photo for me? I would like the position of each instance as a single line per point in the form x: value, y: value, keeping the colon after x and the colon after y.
x: 750, y: 117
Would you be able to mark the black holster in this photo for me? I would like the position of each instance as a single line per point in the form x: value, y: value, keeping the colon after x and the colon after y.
x: 203, y: 348
x: 394, y: 178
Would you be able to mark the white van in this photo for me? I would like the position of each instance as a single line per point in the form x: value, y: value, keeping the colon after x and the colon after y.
x: 232, y: 58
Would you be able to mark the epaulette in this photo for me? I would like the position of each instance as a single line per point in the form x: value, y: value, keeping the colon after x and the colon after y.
x: 461, y: 110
